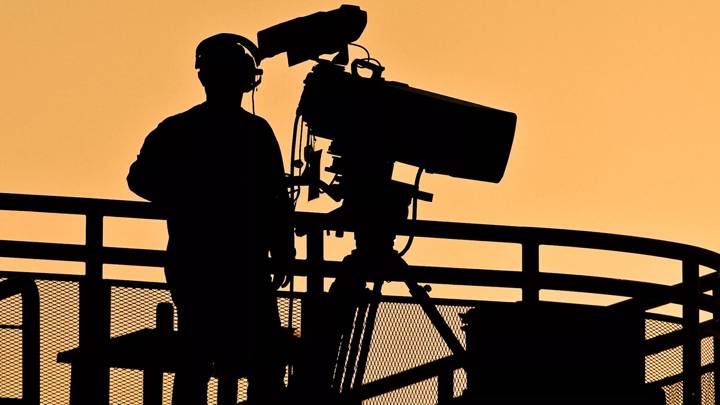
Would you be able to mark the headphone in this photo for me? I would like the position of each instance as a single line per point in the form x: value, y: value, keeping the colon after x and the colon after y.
x: 250, y: 60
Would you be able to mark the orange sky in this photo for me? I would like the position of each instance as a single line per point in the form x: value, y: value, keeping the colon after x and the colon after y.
x: 616, y: 105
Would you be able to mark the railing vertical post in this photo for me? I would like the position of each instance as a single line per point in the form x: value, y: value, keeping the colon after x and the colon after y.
x: 310, y: 378
x: 315, y: 254
x: 530, y: 269
x: 315, y: 284
x: 30, y: 335
x: 716, y: 339
x: 31, y: 342
x: 691, y: 329
x: 445, y: 386
x: 90, y: 383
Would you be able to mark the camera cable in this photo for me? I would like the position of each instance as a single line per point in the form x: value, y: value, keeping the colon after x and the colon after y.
x: 413, y: 216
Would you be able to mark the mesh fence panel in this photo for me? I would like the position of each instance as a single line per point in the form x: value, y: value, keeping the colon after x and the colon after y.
x: 708, y: 388
x: 664, y: 364
x: 11, y: 372
x: 706, y: 351
x: 11, y: 348
x: 132, y: 309
x: 125, y: 386
x: 655, y: 328
x: 403, y: 338
x: 668, y: 363
x: 674, y: 394
x: 59, y: 318
x: 58, y: 332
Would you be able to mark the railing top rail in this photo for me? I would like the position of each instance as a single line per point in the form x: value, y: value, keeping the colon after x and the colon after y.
x: 535, y: 235
x: 79, y: 206
x: 420, y: 228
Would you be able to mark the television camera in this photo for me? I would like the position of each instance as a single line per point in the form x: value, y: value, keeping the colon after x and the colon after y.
x: 373, y: 123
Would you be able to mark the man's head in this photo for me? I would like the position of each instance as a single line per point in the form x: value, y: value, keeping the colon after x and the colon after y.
x: 224, y: 67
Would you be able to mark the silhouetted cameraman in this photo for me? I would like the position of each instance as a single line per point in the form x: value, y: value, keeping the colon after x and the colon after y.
x: 218, y: 171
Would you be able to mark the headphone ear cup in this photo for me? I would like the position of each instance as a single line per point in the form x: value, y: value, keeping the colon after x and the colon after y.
x: 250, y: 73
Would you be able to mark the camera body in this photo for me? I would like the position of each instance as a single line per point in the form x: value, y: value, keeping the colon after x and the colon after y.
x: 392, y: 121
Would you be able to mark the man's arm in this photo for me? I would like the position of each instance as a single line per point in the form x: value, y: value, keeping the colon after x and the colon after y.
x: 282, y: 239
x: 147, y: 176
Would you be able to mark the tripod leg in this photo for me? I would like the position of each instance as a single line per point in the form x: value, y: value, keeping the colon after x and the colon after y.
x: 436, y: 319
x: 367, y: 335
x: 342, y: 362
x: 346, y: 295
x: 354, y: 348
x: 315, y: 374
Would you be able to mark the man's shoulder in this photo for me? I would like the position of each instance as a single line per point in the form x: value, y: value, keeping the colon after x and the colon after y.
x: 191, y: 114
x: 260, y: 122
x: 200, y: 118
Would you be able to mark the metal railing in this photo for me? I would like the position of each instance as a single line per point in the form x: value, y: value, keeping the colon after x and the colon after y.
x: 690, y: 294
x: 30, y: 328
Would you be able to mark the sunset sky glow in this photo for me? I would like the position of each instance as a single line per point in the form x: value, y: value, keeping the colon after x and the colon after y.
x: 616, y: 100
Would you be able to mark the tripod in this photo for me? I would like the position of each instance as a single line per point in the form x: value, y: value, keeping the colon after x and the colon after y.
x: 357, y: 309
x: 336, y: 348
x: 374, y: 206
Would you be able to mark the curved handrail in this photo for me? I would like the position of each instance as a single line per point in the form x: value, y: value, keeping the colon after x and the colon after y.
x: 689, y: 293
x: 534, y: 235
x: 419, y: 228
x: 79, y: 205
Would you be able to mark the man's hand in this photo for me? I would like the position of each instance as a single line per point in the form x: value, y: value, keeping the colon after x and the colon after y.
x: 280, y: 269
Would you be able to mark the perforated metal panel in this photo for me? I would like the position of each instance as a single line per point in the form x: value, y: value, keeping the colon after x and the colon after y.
x: 674, y: 394
x: 668, y: 363
x: 11, y: 348
x: 58, y: 332
x: 708, y: 388
x: 403, y: 338
x: 132, y: 309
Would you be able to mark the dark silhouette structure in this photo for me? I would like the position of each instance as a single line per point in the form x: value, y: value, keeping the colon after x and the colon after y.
x: 555, y: 353
x: 678, y: 349
x: 217, y: 171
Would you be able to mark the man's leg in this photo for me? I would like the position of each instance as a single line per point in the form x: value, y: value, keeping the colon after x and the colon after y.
x: 266, y: 384
x: 194, y: 362
x: 266, y: 375
x: 190, y: 384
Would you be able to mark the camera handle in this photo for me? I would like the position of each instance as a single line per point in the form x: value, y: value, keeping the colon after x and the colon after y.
x: 376, y: 69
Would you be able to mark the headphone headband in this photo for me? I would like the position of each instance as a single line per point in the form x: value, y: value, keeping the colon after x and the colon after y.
x: 247, y: 45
